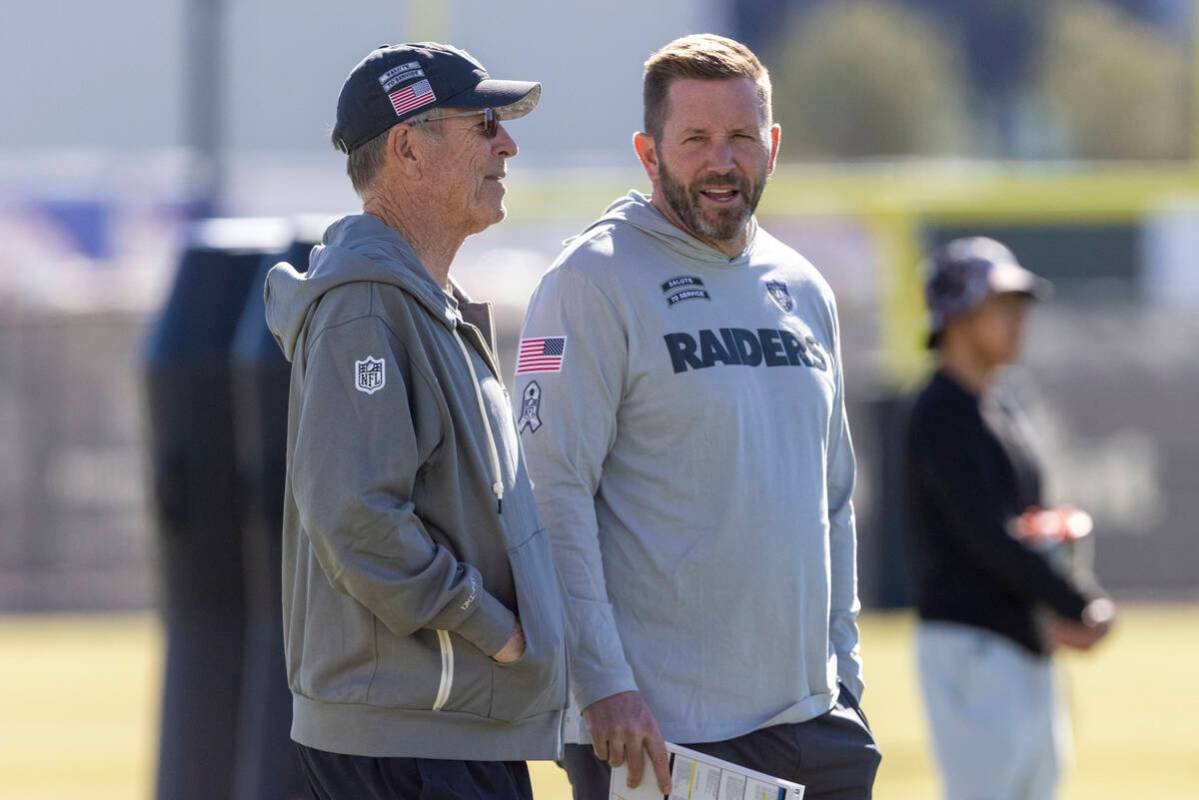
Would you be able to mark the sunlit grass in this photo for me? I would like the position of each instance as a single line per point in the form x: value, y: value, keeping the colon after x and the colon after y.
x: 79, y: 709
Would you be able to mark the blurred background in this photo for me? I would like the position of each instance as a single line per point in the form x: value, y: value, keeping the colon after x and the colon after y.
x: 1069, y: 129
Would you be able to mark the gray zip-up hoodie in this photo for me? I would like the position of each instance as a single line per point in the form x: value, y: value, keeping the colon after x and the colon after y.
x: 693, y: 465
x: 410, y: 536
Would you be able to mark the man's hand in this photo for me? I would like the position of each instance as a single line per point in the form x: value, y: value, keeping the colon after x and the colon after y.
x: 1098, y: 618
x: 623, y: 729
x: 514, y: 648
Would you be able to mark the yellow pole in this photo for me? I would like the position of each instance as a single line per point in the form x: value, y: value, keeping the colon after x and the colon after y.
x: 903, y: 317
x: 427, y: 21
x: 1195, y: 87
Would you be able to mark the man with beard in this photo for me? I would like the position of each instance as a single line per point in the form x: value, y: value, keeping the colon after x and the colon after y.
x: 681, y: 402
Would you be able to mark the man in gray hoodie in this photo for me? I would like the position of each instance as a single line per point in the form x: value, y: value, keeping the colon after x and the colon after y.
x: 681, y: 400
x: 422, y: 617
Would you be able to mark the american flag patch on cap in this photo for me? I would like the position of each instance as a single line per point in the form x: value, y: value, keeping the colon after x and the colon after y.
x: 540, y: 355
x: 410, y: 97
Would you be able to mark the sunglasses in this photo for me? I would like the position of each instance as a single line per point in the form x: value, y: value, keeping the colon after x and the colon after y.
x: 491, y: 120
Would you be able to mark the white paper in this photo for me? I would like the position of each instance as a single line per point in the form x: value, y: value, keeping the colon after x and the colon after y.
x: 696, y: 776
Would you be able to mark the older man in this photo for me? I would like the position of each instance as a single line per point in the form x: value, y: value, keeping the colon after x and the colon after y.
x: 423, y: 624
x: 682, y: 406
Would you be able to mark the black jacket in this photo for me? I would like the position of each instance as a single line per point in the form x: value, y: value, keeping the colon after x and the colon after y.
x: 970, y: 473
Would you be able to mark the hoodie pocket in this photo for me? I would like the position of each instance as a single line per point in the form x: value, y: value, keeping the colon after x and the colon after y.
x: 536, y: 682
x: 333, y: 646
x: 409, y: 671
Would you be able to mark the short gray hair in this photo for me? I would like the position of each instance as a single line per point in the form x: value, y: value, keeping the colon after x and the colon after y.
x: 366, y: 160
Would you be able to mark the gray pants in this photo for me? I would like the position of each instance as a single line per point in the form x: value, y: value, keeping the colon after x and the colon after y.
x: 999, y: 727
x: 834, y: 756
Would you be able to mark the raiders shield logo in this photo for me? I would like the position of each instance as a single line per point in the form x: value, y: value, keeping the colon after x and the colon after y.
x: 781, y: 295
x: 369, y: 375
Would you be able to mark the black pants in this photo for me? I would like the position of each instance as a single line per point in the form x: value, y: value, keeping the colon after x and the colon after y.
x: 333, y: 776
x: 834, y: 756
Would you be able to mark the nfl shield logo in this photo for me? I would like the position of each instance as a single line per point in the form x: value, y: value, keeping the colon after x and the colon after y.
x: 369, y: 376
x: 781, y: 295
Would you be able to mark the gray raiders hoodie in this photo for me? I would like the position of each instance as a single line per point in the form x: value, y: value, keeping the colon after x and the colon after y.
x: 411, y: 541
x: 685, y: 426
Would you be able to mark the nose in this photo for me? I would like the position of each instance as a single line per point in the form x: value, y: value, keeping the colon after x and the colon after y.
x: 504, y: 145
x: 720, y: 156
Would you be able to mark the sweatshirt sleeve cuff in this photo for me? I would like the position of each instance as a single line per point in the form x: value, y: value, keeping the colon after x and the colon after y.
x: 490, y: 626
x: 605, y: 686
x: 599, y: 668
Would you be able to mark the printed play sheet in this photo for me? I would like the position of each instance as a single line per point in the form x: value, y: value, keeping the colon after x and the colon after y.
x: 697, y: 776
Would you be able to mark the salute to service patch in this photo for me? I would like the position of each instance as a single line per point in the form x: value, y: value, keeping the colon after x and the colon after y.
x: 397, y: 75
x: 684, y: 287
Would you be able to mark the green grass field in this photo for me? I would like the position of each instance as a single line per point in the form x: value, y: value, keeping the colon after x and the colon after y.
x: 79, y: 707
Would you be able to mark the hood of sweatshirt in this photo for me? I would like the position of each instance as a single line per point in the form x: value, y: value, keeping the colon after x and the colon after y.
x: 637, y: 210
x: 356, y: 248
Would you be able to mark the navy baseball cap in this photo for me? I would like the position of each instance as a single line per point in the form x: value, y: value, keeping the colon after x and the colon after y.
x: 965, y: 271
x: 396, y: 82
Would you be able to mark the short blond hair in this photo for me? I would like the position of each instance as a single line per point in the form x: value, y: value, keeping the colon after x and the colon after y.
x: 702, y: 56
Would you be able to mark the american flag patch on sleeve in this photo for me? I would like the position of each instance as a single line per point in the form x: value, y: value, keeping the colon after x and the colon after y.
x: 540, y: 355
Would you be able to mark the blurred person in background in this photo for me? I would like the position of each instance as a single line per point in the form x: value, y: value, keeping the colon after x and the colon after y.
x: 422, y: 617
x: 681, y: 399
x: 997, y: 592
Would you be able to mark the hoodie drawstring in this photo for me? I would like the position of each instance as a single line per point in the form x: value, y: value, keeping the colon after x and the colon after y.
x: 497, y: 488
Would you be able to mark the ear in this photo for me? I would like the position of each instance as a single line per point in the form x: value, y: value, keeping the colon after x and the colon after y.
x: 647, y: 153
x: 776, y: 135
x: 404, y: 150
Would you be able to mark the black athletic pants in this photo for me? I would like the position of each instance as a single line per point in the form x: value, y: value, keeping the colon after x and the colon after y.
x: 333, y: 776
x: 834, y: 756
